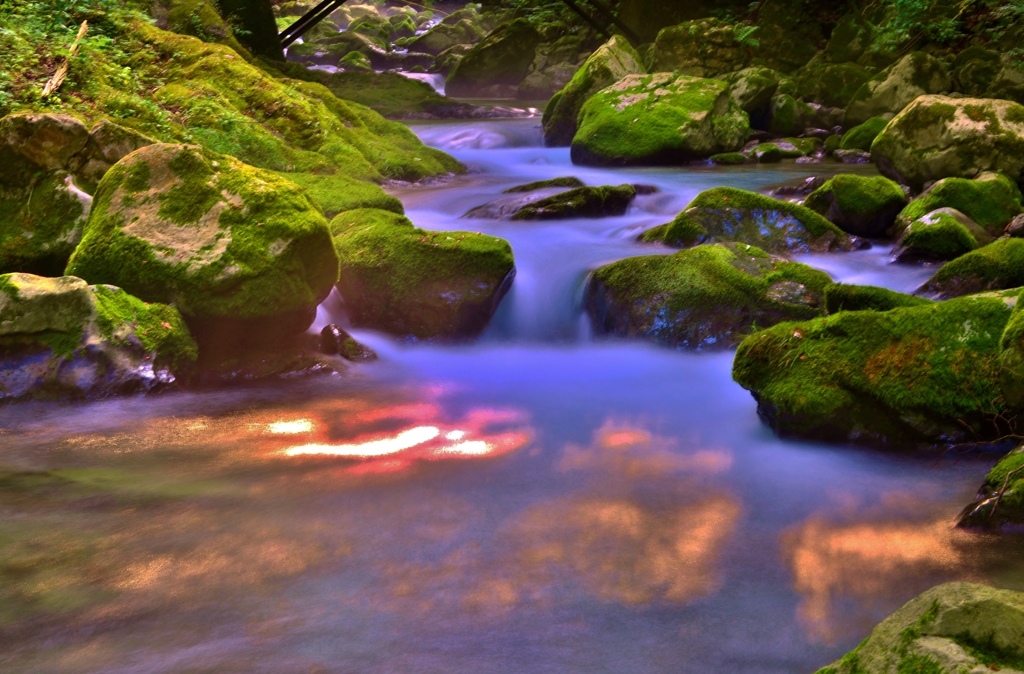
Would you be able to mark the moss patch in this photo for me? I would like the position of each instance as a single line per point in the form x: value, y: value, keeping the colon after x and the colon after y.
x: 991, y: 201
x: 996, y: 266
x: 859, y: 205
x: 569, y: 182
x: 582, y: 202
x: 849, y: 297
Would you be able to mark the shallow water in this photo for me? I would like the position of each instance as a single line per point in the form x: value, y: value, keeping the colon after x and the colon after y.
x: 537, y: 502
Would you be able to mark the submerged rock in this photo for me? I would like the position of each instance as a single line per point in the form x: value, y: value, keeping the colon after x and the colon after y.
x: 610, y: 63
x: 914, y: 375
x: 701, y: 298
x: 415, y: 284
x: 950, y: 629
x: 61, y: 338
x: 997, y: 266
x: 859, y: 205
x: 568, y: 182
x: 243, y: 254
x: 334, y: 341
x: 658, y: 119
x: 938, y: 137
x: 943, y: 234
x: 916, y: 74
x: 582, y: 202
x: 729, y: 214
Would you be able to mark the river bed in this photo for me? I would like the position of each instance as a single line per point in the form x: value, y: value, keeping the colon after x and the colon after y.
x: 539, y: 501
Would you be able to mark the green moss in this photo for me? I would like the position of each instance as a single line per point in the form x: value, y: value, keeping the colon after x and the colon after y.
x: 338, y: 193
x: 991, y: 202
x: 862, y: 136
x: 39, y: 226
x: 730, y: 158
x: 62, y: 344
x: 158, y: 327
x: 542, y: 184
x: 938, y: 235
x: 848, y: 297
x: 702, y: 297
x: 582, y: 202
x: 856, y: 195
x: 683, y: 232
x: 355, y: 61
x: 503, y: 58
x: 917, y: 374
x: 417, y: 283
x: 995, y: 266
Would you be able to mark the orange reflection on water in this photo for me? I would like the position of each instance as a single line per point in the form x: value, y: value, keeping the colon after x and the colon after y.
x: 371, y: 448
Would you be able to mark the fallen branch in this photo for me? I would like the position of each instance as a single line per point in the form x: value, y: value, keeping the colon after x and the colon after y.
x: 53, y: 84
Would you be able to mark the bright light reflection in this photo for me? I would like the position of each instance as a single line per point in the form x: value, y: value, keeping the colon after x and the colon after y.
x: 455, y: 435
x: 373, y: 448
x: 290, y: 427
x: 471, y: 448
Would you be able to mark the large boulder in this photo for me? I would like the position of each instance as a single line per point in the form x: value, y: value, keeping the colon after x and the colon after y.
x: 241, y: 252
x: 445, y: 36
x: 658, y: 119
x: 992, y: 200
x: 859, y: 205
x: 938, y: 137
x: 495, y: 67
x: 997, y: 266
x: 916, y: 74
x: 753, y: 89
x: 61, y: 338
x: 831, y: 84
x: 726, y: 214
x: 108, y: 144
x: 610, y: 63
x: 416, y: 284
x: 950, y: 629
x: 943, y: 234
x: 32, y: 145
x: 702, y: 48
x: 918, y: 375
x: 702, y: 298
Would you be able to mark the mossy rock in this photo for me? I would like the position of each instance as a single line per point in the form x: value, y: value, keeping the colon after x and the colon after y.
x: 725, y: 214
x: 355, y: 61
x: 1011, y: 366
x: 785, y: 148
x: 61, y: 338
x: 338, y: 193
x: 417, y: 284
x: 1000, y: 501
x: 912, y: 376
x: 239, y: 251
x: 788, y: 116
x: 850, y: 297
x: 943, y: 234
x: 831, y: 84
x: 657, y: 120
x: 916, y: 74
x: 702, y: 298
x: 863, y: 135
x: 730, y: 159
x: 753, y: 89
x: 495, y: 67
x: 701, y: 48
x: 997, y: 266
x: 581, y: 202
x: 41, y: 224
x: 938, y: 137
x: 851, y: 37
x: 859, y: 205
x: 992, y: 200
x: 32, y: 145
x: 952, y: 628
x: 610, y: 63
x: 108, y: 143
x: 445, y: 36
x: 331, y: 48
x: 568, y: 181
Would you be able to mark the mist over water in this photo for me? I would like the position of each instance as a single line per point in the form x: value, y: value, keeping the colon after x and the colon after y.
x: 539, y: 501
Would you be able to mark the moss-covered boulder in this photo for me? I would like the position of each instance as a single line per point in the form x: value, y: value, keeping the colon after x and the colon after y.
x: 831, y: 84
x: 336, y: 193
x: 610, y: 63
x: 61, y: 338
x: 859, y: 205
x: 753, y: 89
x: 851, y: 297
x: 702, y: 48
x: 915, y: 375
x: 701, y: 298
x: 863, y: 135
x: 938, y: 137
x: 1000, y: 501
x: 417, y: 284
x: 728, y: 214
x: 943, y: 234
x: 985, y: 73
x: 997, y: 266
x: 916, y: 74
x: 444, y: 36
x: 992, y: 200
x: 495, y: 67
x: 784, y: 148
x: 950, y: 629
x: 658, y: 119
x: 241, y: 252
x: 108, y: 143
x: 567, y: 181
x: 35, y: 144
x: 581, y: 202
x: 851, y: 37
x: 789, y: 116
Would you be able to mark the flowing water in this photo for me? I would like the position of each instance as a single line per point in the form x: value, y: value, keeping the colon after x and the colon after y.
x: 539, y: 501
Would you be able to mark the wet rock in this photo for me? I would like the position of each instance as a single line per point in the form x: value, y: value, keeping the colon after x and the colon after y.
x: 729, y: 214
x: 803, y: 189
x: 568, y: 182
x: 610, y: 63
x: 859, y: 205
x: 997, y: 266
x: 61, y: 338
x: 943, y: 234
x: 334, y: 341
x: 916, y: 74
x: 415, y: 284
x: 244, y: 254
x: 658, y: 119
x: 992, y: 200
x: 850, y: 297
x: 939, y: 137
x: 701, y: 298
x: 582, y: 202
x: 862, y: 136
x: 911, y: 376
x: 495, y: 67
x: 952, y: 628
x: 852, y: 156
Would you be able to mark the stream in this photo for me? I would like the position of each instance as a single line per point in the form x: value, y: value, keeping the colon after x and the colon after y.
x: 539, y: 501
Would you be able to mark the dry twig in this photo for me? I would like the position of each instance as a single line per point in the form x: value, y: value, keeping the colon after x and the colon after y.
x: 53, y: 84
